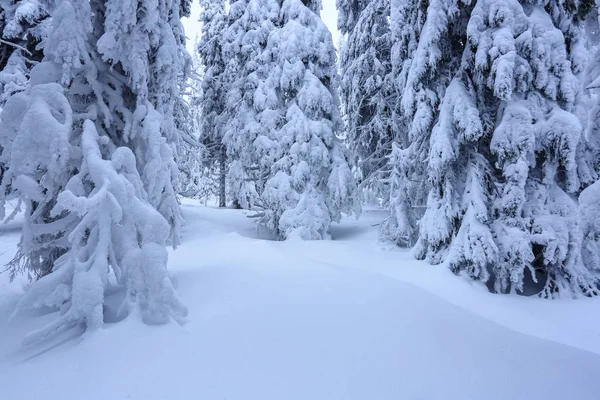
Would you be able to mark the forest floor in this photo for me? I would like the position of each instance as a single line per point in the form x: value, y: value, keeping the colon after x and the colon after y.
x: 340, y: 319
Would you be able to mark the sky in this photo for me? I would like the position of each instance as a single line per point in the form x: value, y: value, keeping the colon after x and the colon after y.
x: 328, y: 14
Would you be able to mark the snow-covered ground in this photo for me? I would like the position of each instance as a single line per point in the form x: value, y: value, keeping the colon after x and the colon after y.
x: 340, y: 319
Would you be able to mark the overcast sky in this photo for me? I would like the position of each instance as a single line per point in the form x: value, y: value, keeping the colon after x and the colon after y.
x: 192, y: 26
x: 329, y: 15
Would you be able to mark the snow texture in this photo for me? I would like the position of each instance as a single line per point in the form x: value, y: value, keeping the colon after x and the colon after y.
x: 334, y: 319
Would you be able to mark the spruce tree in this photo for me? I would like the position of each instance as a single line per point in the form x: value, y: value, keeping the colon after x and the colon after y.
x: 145, y: 42
x: 349, y: 13
x: 539, y: 144
x: 195, y: 172
x: 250, y: 111
x: 367, y: 91
x: 214, y: 90
x: 24, y: 25
x: 98, y: 185
x: 309, y: 181
x: 427, y: 43
x: 589, y: 217
x: 508, y: 155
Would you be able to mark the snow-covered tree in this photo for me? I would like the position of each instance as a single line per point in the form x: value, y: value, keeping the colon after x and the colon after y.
x: 367, y: 88
x: 539, y: 142
x: 37, y: 165
x: 455, y: 224
x: 214, y: 89
x: 97, y: 185
x: 428, y: 39
x: 37, y: 169
x: 251, y: 112
x: 186, y: 146
x: 13, y: 77
x: 589, y: 220
x: 145, y: 42
x: 114, y: 231
x: 349, y: 13
x: 192, y: 161
x: 508, y: 155
x: 309, y: 183
x: 589, y: 206
x: 24, y: 25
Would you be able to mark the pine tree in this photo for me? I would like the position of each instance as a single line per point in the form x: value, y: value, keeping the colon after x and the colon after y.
x: 545, y: 165
x: 24, y: 25
x: 309, y: 183
x: 455, y: 226
x: 186, y: 147
x: 367, y: 91
x: 196, y: 178
x: 13, y: 78
x: 145, y: 42
x: 589, y: 220
x: 214, y: 89
x: 98, y: 185
x: 248, y: 109
x: 588, y: 200
x: 349, y: 12
x: 508, y: 155
x: 427, y: 43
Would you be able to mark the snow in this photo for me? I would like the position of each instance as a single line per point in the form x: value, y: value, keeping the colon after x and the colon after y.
x: 193, y: 28
x: 339, y: 319
x: 288, y: 161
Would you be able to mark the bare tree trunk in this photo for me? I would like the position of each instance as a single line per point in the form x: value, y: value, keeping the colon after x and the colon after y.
x: 222, y: 172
